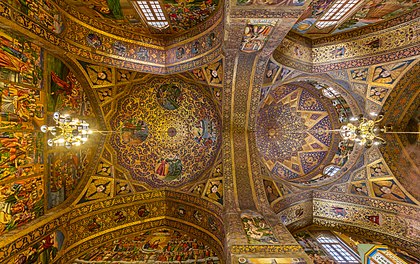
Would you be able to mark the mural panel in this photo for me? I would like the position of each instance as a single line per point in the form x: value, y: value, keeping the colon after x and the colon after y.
x: 20, y: 60
x: 43, y: 12
x: 65, y: 171
x: 65, y: 92
x: 368, y: 13
x: 20, y: 202
x: 43, y: 251
x: 21, y: 155
x: 256, y: 33
x: 185, y: 15
x: 257, y: 230
x: 376, y: 11
x: 154, y: 246
x: 21, y: 108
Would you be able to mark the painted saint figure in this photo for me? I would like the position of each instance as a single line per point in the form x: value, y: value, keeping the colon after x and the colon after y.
x: 169, y: 169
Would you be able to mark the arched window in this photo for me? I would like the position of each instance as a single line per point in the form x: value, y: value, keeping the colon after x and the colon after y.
x: 336, y: 249
x: 330, y: 92
x: 331, y: 170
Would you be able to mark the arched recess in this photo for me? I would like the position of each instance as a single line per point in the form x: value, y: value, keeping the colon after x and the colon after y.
x: 121, y: 216
x: 28, y: 102
x: 210, y: 247
x: 402, y: 152
x: 391, y: 223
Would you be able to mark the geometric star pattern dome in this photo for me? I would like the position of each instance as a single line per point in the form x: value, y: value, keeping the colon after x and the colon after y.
x: 289, y: 137
x: 169, y: 132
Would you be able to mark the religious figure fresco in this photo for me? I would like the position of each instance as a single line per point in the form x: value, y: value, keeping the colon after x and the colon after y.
x: 256, y: 33
x: 359, y: 188
x: 389, y: 73
x: 134, y: 131
x: 169, y: 96
x: 153, y: 246
x: 186, y: 14
x: 20, y: 60
x: 21, y: 154
x: 310, y: 15
x: 258, y: 231
x: 215, y: 191
x: 169, y: 169
x: 254, y: 260
x: 66, y: 169
x: 44, y: 251
x: 20, y: 202
x: 99, y: 188
x: 271, y: 191
x: 378, y: 170
x: 65, y: 91
x: 20, y: 108
x: 375, y: 11
x: 388, y: 189
x: 205, y: 132
x: 271, y: 72
x: 272, y: 2
x: 93, y: 40
x: 43, y: 12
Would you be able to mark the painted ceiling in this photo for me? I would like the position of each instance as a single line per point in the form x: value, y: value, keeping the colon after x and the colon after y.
x: 173, y: 141
x: 365, y: 12
x: 181, y: 16
x: 289, y: 137
x: 193, y: 148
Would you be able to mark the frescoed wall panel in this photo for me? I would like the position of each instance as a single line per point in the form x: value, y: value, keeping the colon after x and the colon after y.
x: 20, y: 202
x: 20, y: 60
x: 65, y: 91
x: 65, y: 171
x: 44, y: 251
x: 21, y: 155
x: 154, y: 246
x: 21, y: 107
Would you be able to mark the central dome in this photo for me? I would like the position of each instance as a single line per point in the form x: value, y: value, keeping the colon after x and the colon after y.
x: 169, y: 132
x: 289, y: 136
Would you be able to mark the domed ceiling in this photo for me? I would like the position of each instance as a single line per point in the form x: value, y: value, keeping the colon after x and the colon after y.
x: 170, y: 132
x: 288, y: 136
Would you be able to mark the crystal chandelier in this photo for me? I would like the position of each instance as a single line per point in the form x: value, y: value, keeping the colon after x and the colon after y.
x: 67, y: 131
x: 364, y: 131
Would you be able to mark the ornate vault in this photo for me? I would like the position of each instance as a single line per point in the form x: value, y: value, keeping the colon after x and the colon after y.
x: 215, y: 130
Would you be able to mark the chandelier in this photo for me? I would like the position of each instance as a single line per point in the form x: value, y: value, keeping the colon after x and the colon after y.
x: 67, y: 131
x: 364, y: 131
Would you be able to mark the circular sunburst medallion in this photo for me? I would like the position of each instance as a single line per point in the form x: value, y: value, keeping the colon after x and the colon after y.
x: 171, y: 131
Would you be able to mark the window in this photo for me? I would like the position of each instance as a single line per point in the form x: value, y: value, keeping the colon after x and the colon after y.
x: 331, y: 170
x: 336, y: 12
x: 337, y: 250
x: 153, y: 13
x: 330, y: 92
